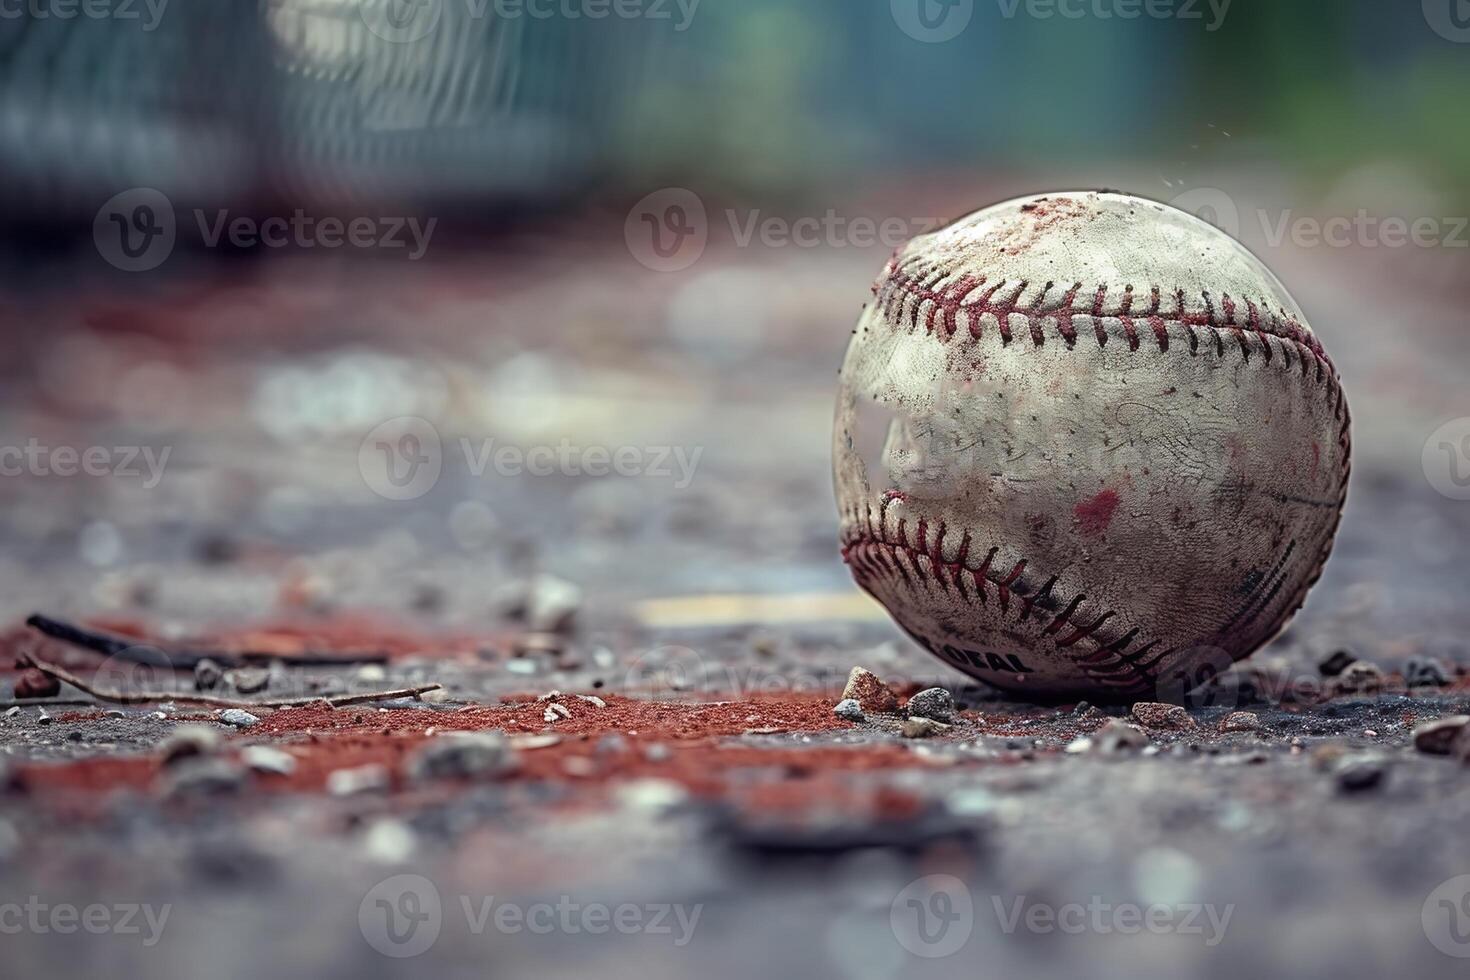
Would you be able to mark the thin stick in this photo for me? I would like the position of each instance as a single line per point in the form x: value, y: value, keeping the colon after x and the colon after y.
x: 136, y: 651
x: 151, y: 697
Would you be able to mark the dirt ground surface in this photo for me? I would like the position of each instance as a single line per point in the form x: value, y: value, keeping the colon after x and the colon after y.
x: 658, y: 785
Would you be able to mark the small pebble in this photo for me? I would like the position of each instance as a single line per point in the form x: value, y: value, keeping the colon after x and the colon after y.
x: 1335, y: 663
x: 1156, y: 715
x: 203, y: 777
x: 653, y: 796
x: 1356, y: 774
x: 371, y: 674
x: 552, y: 604
x: 463, y: 755
x: 922, y: 728
x: 849, y: 710
x: 1360, y: 677
x: 237, y: 718
x: 935, y: 703
x: 363, y: 779
x: 207, y: 675
x: 1439, y: 737
x: 34, y: 684
x: 248, y: 680
x: 1118, y: 736
x: 189, y: 741
x: 263, y: 758
x: 389, y: 841
x: 1240, y: 721
x: 871, y: 694
x: 611, y: 744
x: 1428, y: 672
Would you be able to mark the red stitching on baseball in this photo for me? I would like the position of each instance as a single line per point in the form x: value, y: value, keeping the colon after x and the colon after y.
x: 898, y: 286
x: 1109, y: 664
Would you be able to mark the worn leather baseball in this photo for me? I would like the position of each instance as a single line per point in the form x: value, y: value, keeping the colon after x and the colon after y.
x: 1087, y: 446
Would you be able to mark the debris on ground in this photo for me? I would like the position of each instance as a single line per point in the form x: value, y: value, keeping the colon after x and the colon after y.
x: 1441, y: 736
x: 1117, y: 736
x: 463, y: 755
x: 189, y: 741
x: 921, y: 727
x: 871, y: 694
x: 1240, y: 721
x: 33, y: 684
x: 1153, y: 714
x: 934, y: 702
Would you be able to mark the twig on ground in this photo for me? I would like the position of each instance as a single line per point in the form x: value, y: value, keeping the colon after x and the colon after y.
x: 139, y: 652
x: 182, y: 697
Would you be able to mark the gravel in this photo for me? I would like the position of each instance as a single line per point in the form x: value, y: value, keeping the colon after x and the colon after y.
x: 933, y: 702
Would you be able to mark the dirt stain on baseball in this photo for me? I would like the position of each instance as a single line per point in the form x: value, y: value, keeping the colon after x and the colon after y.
x: 1096, y: 513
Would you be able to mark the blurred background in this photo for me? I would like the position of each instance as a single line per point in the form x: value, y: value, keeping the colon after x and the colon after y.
x: 281, y: 279
x: 252, y: 233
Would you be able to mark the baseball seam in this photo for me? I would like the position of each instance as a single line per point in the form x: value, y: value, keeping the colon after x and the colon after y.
x: 874, y: 553
x: 902, y: 295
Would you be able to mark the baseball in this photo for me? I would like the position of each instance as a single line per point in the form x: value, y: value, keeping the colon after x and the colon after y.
x: 1086, y: 445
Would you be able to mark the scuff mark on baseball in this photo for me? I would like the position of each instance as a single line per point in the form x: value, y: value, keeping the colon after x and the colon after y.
x: 1068, y: 447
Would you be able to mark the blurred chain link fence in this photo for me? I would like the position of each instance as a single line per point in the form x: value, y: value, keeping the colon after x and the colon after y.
x: 233, y: 103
